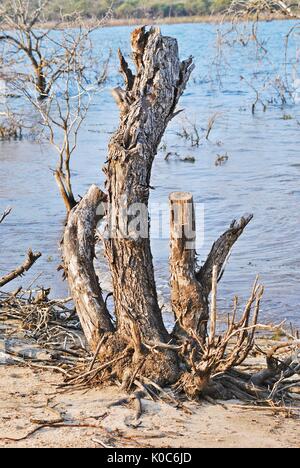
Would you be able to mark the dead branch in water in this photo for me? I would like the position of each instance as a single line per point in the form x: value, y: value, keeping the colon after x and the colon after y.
x: 5, y: 214
x: 19, y: 271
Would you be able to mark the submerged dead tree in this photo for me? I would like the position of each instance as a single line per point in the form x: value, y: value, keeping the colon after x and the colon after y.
x: 136, y: 345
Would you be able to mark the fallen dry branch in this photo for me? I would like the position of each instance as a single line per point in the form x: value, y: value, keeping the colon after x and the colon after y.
x: 50, y: 426
x: 136, y: 398
x: 19, y: 271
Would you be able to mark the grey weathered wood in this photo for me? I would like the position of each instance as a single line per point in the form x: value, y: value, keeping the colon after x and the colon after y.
x: 78, y: 256
x: 190, y: 289
x: 188, y: 302
x: 147, y: 105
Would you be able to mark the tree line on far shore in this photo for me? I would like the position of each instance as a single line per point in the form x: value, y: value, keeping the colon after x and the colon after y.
x: 138, y: 8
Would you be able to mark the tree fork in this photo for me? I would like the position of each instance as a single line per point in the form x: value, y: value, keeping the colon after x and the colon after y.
x: 190, y: 289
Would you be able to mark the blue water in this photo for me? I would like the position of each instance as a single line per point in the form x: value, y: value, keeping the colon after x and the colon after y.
x: 261, y: 175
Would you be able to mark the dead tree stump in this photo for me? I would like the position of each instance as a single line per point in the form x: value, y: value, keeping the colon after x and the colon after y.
x: 147, y: 105
x: 138, y: 346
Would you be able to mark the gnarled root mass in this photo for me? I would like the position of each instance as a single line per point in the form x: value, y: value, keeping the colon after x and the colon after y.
x: 195, y: 366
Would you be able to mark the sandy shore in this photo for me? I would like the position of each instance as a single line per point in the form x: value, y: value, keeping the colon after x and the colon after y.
x: 30, y: 397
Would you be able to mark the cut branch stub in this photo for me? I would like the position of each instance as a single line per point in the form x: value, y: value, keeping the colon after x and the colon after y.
x: 190, y: 289
x: 147, y: 105
x: 188, y: 301
x: 78, y: 255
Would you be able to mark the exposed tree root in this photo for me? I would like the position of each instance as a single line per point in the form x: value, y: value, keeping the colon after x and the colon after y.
x: 207, y: 370
x: 204, y: 373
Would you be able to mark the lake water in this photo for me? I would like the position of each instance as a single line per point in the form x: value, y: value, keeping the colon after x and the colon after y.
x: 261, y: 175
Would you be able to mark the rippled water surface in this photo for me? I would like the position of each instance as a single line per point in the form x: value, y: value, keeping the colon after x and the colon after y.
x: 261, y: 175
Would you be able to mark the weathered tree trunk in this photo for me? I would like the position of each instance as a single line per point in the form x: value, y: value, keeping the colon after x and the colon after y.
x: 189, y: 303
x: 41, y: 83
x: 78, y: 256
x: 147, y: 106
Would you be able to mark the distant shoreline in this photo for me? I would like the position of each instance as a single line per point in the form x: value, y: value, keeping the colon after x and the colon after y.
x: 205, y: 19
x: 214, y: 19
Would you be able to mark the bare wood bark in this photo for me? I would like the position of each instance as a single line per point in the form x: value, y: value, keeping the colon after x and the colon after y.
x: 190, y: 290
x: 19, y: 271
x: 188, y: 301
x: 147, y: 105
x: 213, y: 315
x: 78, y: 255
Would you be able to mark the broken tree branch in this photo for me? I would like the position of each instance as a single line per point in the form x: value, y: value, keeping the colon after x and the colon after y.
x: 220, y: 251
x: 19, y: 271
x: 188, y: 302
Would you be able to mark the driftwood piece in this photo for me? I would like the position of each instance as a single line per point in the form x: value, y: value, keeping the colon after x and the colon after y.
x: 147, y: 105
x: 78, y: 255
x: 19, y: 271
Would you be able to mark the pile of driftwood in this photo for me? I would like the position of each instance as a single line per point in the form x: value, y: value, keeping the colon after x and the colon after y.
x: 39, y: 332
